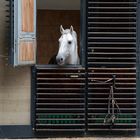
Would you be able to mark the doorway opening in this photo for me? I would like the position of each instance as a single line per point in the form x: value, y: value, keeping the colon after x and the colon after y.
x: 50, y: 15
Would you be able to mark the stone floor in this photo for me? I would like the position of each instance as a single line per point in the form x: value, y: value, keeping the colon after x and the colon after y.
x: 88, y: 138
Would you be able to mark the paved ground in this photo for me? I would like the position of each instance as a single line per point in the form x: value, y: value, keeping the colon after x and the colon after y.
x: 93, y: 138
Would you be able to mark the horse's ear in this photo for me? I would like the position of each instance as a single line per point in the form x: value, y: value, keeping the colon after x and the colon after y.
x: 61, y: 29
x: 71, y: 29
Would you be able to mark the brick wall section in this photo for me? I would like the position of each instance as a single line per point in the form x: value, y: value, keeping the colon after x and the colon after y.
x: 14, y: 83
x: 48, y: 30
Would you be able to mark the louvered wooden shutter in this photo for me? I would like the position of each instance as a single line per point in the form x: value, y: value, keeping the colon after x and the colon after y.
x: 23, y: 26
x: 111, y: 50
x: 59, y: 100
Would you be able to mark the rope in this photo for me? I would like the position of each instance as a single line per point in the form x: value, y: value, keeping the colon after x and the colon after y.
x: 103, y: 82
x: 110, y: 116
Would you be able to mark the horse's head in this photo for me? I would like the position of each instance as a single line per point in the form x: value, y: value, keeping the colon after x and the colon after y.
x: 67, y: 46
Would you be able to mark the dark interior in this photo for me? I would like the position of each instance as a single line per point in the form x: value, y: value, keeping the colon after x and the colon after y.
x: 48, y: 31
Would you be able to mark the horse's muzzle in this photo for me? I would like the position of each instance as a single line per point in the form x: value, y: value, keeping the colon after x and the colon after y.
x: 60, y: 60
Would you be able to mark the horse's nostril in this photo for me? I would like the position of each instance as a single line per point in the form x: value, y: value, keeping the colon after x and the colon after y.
x: 61, y: 59
x: 69, y: 42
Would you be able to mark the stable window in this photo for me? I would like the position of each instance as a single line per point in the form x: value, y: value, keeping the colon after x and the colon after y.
x: 36, y: 29
x: 50, y: 15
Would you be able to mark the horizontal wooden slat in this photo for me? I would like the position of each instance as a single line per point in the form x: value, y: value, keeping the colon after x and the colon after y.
x: 119, y: 13
x: 125, y: 33
x: 114, y: 129
x: 112, y: 2
x: 131, y: 7
x: 94, y: 18
x: 59, y: 130
x: 63, y: 113
x: 113, y: 58
x: 120, y: 28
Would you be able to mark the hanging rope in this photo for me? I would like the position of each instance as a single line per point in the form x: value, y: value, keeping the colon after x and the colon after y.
x: 110, y: 116
x: 103, y: 82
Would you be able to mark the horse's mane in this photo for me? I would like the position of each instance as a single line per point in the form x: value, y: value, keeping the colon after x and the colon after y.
x: 53, y: 59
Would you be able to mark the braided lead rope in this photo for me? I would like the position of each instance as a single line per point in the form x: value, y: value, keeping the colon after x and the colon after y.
x: 106, y: 119
x: 103, y: 82
x: 110, y: 117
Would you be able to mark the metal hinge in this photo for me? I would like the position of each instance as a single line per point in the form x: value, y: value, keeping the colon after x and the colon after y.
x: 15, y: 46
x: 138, y: 123
x: 137, y: 56
x: 138, y: 75
x: 137, y: 61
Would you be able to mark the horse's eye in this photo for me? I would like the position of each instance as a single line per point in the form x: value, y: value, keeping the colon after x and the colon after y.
x: 69, y: 42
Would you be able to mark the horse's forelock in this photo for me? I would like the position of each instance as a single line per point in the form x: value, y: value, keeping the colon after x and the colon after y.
x: 66, y: 31
x: 74, y: 34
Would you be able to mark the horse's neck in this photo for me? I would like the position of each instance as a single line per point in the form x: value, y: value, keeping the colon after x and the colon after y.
x: 74, y: 58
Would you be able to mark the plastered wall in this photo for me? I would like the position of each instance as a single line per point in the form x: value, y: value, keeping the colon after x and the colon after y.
x: 14, y: 82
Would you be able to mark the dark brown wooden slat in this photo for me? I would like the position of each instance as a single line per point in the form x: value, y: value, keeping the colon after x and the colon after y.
x: 59, y: 130
x: 60, y: 104
x: 112, y: 58
x: 128, y: 8
x: 109, y: 17
x: 62, y: 113
x: 113, y: 2
x: 114, y: 129
x: 119, y: 13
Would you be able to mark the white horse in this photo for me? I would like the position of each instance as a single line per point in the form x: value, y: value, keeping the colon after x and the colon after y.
x: 68, y: 48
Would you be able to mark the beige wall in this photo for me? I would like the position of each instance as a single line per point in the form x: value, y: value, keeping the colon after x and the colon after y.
x: 14, y: 83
